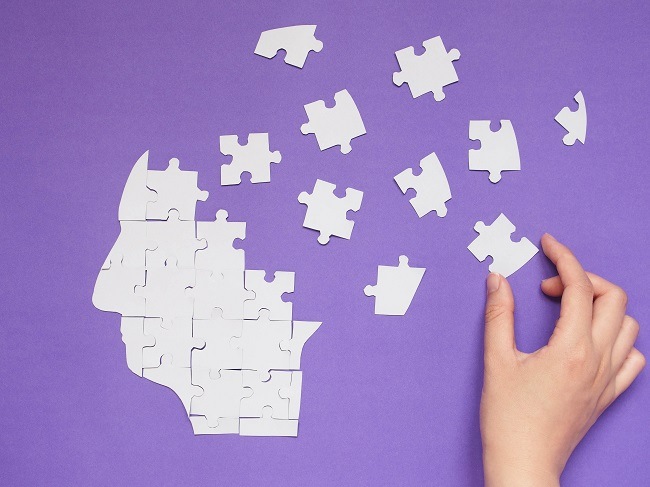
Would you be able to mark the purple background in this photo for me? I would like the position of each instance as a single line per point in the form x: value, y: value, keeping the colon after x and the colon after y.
x: 85, y: 89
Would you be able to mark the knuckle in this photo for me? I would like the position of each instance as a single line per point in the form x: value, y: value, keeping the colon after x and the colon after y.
x: 619, y: 296
x: 579, y: 356
x: 585, y: 287
x: 494, y: 312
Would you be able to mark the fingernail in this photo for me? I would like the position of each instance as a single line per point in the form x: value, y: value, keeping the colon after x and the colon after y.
x: 493, y: 282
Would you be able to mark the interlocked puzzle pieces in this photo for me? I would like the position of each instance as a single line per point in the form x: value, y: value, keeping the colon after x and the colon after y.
x: 575, y: 122
x: 431, y: 186
x: 334, y: 126
x: 494, y: 240
x: 253, y: 158
x: 296, y: 40
x: 181, y: 290
x: 327, y: 213
x: 498, y: 152
x: 429, y: 72
x: 395, y: 287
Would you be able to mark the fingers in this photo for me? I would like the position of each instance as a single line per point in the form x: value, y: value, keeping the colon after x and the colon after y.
x: 631, y: 368
x: 553, y: 285
x: 499, y: 317
x: 624, y: 342
x: 577, y: 298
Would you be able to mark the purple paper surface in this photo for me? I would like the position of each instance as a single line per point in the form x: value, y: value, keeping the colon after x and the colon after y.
x: 87, y: 87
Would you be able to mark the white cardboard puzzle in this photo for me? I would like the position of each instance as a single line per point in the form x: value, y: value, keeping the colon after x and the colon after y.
x: 254, y: 158
x: 575, y: 122
x: 395, y: 288
x: 180, y: 288
x: 498, y: 152
x: 296, y: 40
x: 431, y: 186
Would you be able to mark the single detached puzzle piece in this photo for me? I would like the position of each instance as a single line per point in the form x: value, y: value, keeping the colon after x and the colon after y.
x: 268, y: 295
x: 224, y: 290
x: 301, y: 332
x: 135, y: 339
x: 431, y: 186
x: 136, y: 194
x: 218, y: 353
x: 267, y: 425
x: 253, y: 158
x: 176, y: 189
x: 494, y: 240
x: 293, y: 393
x: 266, y: 393
x: 296, y: 41
x: 223, y: 391
x: 575, y: 122
x: 327, y: 213
x: 395, y: 287
x: 175, y: 340
x: 115, y: 289
x: 498, y: 152
x: 428, y: 72
x: 334, y: 126
x: 173, y: 239
x: 178, y: 379
x: 220, y: 254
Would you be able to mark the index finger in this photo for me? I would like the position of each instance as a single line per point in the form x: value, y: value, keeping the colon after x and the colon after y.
x: 577, y: 298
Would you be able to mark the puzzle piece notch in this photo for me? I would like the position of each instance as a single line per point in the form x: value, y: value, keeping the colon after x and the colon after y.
x: 395, y: 288
x: 498, y: 152
x: 265, y: 393
x: 115, y: 289
x: 508, y: 256
x: 575, y: 122
x: 267, y: 425
x: 173, y: 239
x: 174, y: 339
x: 135, y: 339
x: 223, y: 391
x: 223, y: 290
x: 136, y: 194
x: 334, y: 126
x: 217, y: 333
x: 220, y: 234
x: 223, y: 426
x: 268, y: 295
x: 178, y: 379
x: 429, y: 72
x: 301, y: 332
x: 297, y: 41
x: 431, y: 186
x: 176, y: 190
x: 253, y: 158
x: 327, y: 213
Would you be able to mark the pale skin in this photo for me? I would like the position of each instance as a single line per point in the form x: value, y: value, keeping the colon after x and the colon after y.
x: 536, y: 407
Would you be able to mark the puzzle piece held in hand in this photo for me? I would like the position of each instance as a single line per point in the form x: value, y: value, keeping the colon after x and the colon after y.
x: 575, y: 122
x: 268, y: 295
x: 498, y: 152
x: 327, y: 213
x: 428, y: 72
x: 253, y: 158
x: 176, y: 189
x: 395, y: 287
x: 494, y: 240
x: 334, y: 126
x: 431, y: 186
x: 296, y: 41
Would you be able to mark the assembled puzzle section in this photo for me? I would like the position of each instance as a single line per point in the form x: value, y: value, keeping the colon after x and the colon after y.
x: 431, y: 186
x: 575, y: 122
x: 297, y: 41
x: 498, y: 152
x: 193, y: 318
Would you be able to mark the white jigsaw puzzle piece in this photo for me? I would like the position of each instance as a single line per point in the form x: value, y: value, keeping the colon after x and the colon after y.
x: 431, y: 186
x: 136, y: 194
x: 176, y: 189
x: 135, y: 339
x: 172, y: 239
x: 301, y: 332
x: 494, y: 240
x: 253, y: 158
x: 131, y: 245
x: 266, y: 393
x: 429, y: 72
x: 218, y: 353
x: 396, y: 287
x: 219, y: 254
x: 224, y: 426
x: 293, y: 393
x: 222, y: 393
x: 267, y: 425
x: 268, y: 295
x: 327, y: 213
x: 575, y: 122
x: 178, y: 379
x: 498, y: 152
x: 224, y: 290
x: 175, y: 340
x: 115, y: 289
x: 297, y: 41
x: 334, y: 126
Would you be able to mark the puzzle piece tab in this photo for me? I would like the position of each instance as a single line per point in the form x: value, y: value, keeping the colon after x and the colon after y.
x: 253, y: 158
x: 222, y: 393
x: 218, y: 353
x: 266, y: 393
x: 429, y: 72
x: 268, y: 295
x: 327, y: 213
x: 431, y: 186
x: 173, y: 239
x: 494, y: 240
x: 575, y: 122
x: 498, y: 152
x: 334, y: 126
x: 175, y: 340
x: 395, y: 287
x: 176, y: 189
x: 223, y: 290
x: 296, y: 41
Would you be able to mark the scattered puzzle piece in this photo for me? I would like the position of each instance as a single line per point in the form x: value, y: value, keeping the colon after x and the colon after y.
x: 219, y: 254
x: 327, y: 213
x: 253, y: 158
x: 498, y: 152
x: 296, y: 41
x: 575, y: 122
x: 428, y: 72
x: 268, y: 295
x: 431, y: 186
x: 176, y: 190
x: 494, y: 240
x: 395, y: 287
x: 334, y: 126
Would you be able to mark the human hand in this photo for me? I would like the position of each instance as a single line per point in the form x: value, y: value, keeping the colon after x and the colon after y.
x: 535, y: 408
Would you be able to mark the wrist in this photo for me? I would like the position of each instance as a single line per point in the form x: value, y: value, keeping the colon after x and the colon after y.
x: 501, y: 471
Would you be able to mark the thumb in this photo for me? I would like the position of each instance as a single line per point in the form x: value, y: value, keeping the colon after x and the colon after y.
x: 499, y: 316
